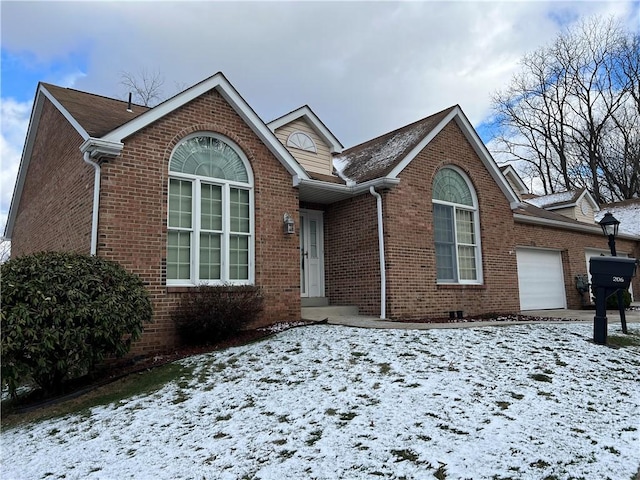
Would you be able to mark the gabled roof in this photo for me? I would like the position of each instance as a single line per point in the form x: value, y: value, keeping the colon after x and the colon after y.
x: 387, y: 155
x: 104, y: 123
x: 97, y: 115
x: 233, y: 98
x: 313, y: 120
x: 510, y: 173
x: 556, y: 201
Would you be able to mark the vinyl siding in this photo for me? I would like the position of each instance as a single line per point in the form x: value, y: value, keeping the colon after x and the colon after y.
x: 320, y: 162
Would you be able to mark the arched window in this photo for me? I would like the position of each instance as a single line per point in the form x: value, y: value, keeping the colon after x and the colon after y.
x: 302, y: 141
x: 210, y: 214
x: 456, y: 228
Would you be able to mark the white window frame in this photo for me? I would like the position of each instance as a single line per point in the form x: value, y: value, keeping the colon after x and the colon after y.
x: 476, y: 226
x: 195, y: 229
x: 314, y: 148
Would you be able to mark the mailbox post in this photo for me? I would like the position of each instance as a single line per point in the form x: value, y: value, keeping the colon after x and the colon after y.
x: 608, y: 275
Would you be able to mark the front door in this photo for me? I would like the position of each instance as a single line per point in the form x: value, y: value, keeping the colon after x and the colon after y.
x: 311, y: 254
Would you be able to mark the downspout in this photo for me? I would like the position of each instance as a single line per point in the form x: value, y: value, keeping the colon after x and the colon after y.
x: 383, y: 275
x: 96, y: 202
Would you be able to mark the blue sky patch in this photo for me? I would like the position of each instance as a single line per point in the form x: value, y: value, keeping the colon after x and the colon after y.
x: 21, y: 73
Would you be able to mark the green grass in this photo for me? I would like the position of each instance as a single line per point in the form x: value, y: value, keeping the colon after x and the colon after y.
x: 629, y: 340
x: 143, y: 383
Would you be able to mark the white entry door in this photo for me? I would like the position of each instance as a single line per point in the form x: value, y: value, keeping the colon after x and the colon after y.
x: 311, y: 254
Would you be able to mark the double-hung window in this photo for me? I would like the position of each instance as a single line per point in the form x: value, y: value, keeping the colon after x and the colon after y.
x: 210, y: 213
x: 456, y: 228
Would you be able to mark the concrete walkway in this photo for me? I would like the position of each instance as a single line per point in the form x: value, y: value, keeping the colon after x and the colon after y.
x: 559, y: 316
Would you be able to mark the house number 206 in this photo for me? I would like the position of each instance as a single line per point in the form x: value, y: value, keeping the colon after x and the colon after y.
x: 618, y: 279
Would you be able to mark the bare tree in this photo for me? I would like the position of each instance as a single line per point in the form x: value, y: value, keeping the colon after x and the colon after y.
x: 568, y: 113
x: 5, y: 250
x: 146, y: 86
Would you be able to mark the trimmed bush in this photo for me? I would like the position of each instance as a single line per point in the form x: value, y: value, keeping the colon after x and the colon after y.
x: 63, y: 313
x: 206, y: 314
x: 612, y: 301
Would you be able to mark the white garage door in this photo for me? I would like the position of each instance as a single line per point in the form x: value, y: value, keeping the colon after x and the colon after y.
x: 540, y: 279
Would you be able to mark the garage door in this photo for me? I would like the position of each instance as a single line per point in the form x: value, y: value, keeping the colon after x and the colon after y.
x: 540, y: 279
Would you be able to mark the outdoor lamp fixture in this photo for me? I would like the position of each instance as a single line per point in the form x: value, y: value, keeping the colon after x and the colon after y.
x: 289, y: 224
x: 610, y: 225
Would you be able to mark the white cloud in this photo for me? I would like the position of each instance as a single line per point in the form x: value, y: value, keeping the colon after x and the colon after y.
x: 364, y: 67
x: 15, y: 121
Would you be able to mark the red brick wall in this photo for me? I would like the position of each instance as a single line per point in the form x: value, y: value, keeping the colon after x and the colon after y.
x: 411, y: 275
x: 352, y: 262
x: 57, y: 199
x: 134, y: 209
x: 572, y: 245
x: 352, y: 272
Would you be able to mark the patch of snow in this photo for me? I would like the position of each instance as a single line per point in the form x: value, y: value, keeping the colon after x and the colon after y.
x: 551, y: 199
x: 340, y: 163
x: 627, y: 214
x: 327, y: 402
x: 387, y: 153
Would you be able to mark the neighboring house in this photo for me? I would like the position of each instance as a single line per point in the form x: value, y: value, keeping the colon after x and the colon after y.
x: 418, y: 222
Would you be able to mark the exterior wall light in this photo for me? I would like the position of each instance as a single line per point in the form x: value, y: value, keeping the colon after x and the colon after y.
x: 289, y: 224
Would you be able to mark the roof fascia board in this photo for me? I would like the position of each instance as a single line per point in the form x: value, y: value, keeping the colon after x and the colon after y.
x: 514, y: 175
x: 74, y: 123
x: 488, y: 161
x: 479, y: 147
x: 420, y: 146
x: 261, y: 130
x: 559, y: 206
x: 595, y: 229
x: 222, y: 85
x: 320, y: 128
x: 587, y: 195
x: 348, y: 189
x: 34, y: 121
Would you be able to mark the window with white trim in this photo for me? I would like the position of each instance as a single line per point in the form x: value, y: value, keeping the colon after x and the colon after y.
x: 210, y: 213
x: 456, y: 228
x: 302, y: 141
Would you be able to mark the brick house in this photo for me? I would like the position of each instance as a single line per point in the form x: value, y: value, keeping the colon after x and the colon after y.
x: 417, y: 222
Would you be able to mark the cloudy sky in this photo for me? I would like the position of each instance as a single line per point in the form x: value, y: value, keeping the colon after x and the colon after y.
x: 364, y: 67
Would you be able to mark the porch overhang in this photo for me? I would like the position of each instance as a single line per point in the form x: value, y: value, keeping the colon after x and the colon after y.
x: 316, y: 191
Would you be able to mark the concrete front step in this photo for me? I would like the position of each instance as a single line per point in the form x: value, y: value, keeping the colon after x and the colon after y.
x: 314, y: 301
x: 332, y: 311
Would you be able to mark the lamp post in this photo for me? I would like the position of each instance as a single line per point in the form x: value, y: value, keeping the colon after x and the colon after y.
x: 609, y: 225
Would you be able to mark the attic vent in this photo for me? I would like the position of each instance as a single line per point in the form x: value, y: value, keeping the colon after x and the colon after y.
x: 302, y: 141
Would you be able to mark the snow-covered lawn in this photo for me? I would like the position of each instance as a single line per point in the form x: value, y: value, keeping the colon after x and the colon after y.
x: 329, y: 402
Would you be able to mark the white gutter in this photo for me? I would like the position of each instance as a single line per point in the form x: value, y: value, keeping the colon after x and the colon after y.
x: 354, y: 189
x: 383, y: 273
x: 95, y: 148
x: 96, y: 201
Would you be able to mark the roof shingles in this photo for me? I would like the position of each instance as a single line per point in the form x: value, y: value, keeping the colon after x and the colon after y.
x: 96, y: 114
x: 376, y: 158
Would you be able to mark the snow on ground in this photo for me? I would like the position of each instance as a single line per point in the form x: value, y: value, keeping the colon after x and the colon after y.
x: 329, y: 402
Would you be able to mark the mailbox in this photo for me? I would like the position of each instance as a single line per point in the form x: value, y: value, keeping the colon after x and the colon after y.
x: 612, y: 272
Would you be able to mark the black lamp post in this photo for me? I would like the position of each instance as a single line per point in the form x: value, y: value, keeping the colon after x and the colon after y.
x: 610, y: 225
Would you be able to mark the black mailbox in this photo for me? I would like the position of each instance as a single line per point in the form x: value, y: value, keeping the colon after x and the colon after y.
x: 612, y: 272
x: 608, y: 276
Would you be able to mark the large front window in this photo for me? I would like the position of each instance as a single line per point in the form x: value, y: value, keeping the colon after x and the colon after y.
x: 455, y: 229
x: 210, y: 214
